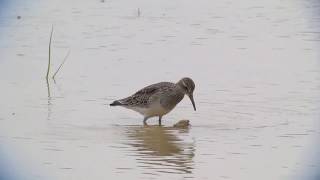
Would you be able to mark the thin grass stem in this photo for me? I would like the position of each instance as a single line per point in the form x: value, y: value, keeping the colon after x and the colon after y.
x: 49, y: 60
x: 64, y: 60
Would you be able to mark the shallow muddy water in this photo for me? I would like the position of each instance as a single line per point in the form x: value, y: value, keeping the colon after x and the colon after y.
x: 255, y: 65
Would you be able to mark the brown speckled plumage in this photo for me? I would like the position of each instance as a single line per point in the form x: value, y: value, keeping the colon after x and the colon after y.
x: 143, y: 97
x: 158, y: 99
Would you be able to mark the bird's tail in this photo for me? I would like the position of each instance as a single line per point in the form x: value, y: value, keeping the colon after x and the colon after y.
x: 115, y: 103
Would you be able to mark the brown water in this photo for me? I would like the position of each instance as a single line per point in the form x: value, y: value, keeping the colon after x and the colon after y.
x: 255, y: 65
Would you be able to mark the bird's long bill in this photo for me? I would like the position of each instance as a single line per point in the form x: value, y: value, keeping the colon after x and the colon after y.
x: 192, y: 100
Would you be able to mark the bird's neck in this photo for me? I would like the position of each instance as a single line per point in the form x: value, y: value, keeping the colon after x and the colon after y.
x: 181, y: 87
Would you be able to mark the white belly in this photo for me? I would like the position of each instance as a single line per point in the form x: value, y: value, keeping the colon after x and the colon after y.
x: 153, y: 110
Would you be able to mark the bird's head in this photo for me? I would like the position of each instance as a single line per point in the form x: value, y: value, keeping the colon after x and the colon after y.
x: 187, y: 85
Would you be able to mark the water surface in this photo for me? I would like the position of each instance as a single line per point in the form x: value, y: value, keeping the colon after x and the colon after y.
x: 255, y: 65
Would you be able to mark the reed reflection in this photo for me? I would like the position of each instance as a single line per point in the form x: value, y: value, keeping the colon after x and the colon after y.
x: 160, y: 149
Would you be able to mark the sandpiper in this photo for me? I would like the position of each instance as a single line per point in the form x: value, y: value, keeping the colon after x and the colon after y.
x: 158, y: 99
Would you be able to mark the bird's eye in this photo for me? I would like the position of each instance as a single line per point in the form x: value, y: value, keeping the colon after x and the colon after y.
x: 186, y: 88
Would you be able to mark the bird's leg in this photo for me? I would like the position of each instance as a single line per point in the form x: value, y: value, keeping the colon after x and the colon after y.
x: 160, y: 120
x: 145, y: 120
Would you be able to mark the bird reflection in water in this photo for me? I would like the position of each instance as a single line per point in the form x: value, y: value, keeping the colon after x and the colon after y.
x: 160, y: 149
